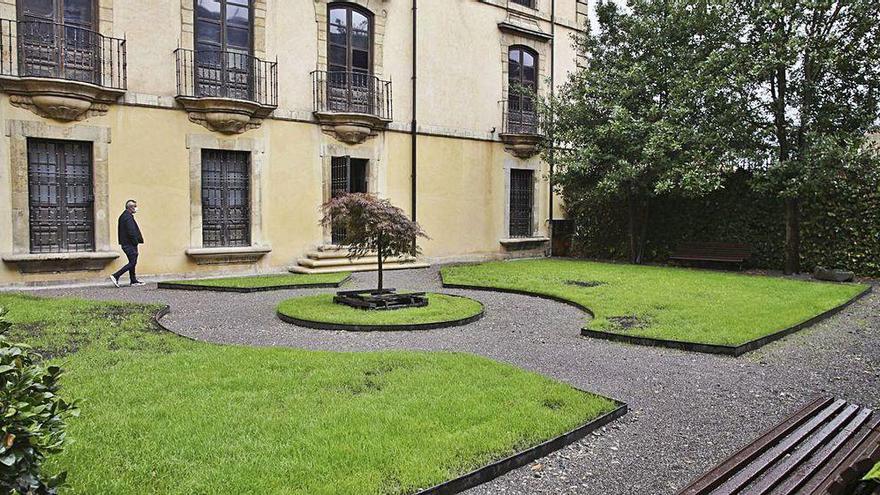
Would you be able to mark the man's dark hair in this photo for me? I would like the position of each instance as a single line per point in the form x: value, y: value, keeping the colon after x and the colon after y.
x: 129, y: 203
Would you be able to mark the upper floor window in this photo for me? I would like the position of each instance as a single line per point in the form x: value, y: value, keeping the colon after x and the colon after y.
x: 522, y: 79
x: 224, y: 65
x: 58, y: 39
x: 223, y: 25
x: 527, y: 3
x: 77, y: 13
x: 349, y: 40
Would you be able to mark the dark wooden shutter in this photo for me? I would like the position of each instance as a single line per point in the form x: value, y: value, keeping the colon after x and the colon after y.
x: 225, y: 199
x: 60, y: 196
x: 521, y: 202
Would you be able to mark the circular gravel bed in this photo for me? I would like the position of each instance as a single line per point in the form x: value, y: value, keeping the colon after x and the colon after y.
x: 321, y: 312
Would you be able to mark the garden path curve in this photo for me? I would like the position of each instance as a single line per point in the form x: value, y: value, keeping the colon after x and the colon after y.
x: 687, y: 411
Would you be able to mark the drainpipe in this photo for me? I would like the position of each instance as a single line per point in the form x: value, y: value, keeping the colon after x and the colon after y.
x: 552, y: 94
x: 414, y: 136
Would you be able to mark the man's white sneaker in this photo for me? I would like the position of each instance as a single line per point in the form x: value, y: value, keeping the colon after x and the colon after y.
x: 138, y: 284
x: 115, y: 281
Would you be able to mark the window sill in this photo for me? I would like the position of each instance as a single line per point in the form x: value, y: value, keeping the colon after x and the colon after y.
x: 227, y: 255
x: 60, y: 262
x: 524, y: 243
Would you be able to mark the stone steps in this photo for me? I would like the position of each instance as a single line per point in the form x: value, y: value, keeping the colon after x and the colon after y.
x: 333, y: 259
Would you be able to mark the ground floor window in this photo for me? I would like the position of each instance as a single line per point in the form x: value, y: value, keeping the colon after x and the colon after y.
x: 61, y: 197
x: 226, y: 217
x: 521, y: 202
x: 347, y: 175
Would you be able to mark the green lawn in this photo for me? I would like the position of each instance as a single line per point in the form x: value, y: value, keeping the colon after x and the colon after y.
x: 163, y: 414
x: 266, y: 281
x: 321, y: 308
x: 667, y: 303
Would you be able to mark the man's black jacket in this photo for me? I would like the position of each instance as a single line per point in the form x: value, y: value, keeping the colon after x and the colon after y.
x: 129, y: 232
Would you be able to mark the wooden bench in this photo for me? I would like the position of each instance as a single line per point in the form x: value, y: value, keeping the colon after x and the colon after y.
x: 824, y: 448
x: 712, y: 252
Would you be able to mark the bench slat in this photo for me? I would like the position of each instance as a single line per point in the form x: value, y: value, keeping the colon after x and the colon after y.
x: 868, y: 447
x: 821, y: 449
x: 715, y: 477
x: 782, y: 469
x: 769, y: 457
x: 846, y: 442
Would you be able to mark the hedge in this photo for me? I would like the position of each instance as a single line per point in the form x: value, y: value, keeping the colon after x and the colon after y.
x: 840, y: 225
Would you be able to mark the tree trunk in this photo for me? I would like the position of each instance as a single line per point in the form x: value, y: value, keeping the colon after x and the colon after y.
x: 633, y: 248
x: 379, y: 251
x: 638, y: 223
x: 792, y: 236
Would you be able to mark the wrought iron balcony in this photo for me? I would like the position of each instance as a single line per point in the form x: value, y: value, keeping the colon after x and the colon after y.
x: 521, y: 127
x: 520, y: 117
x: 351, y: 105
x: 351, y: 92
x: 36, y: 48
x: 226, y: 91
x: 60, y: 71
x: 226, y: 74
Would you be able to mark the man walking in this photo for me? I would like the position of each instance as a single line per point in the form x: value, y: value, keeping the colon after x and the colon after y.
x: 129, y: 238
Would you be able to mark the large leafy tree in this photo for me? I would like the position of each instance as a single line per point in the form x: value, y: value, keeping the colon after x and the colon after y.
x: 373, y: 225
x: 651, y: 112
x: 810, y: 71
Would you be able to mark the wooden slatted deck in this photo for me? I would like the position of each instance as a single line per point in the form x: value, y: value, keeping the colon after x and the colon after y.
x: 821, y: 449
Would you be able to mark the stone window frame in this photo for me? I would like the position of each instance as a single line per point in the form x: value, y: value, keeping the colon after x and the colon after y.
x: 8, y: 10
x: 328, y: 152
x: 18, y: 132
x: 195, y: 143
x: 536, y: 166
x: 542, y: 48
x: 258, y: 25
x: 380, y: 16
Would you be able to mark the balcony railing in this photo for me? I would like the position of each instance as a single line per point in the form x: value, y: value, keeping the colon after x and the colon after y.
x: 352, y: 92
x: 226, y: 74
x: 520, y: 117
x: 37, y: 48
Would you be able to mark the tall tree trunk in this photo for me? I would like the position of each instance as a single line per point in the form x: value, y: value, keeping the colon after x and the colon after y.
x: 633, y: 245
x: 792, y: 206
x: 637, y: 212
x: 379, y: 252
x: 792, y: 236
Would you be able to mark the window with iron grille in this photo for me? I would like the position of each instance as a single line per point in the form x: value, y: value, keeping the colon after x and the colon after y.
x: 521, y: 202
x: 60, y: 196
x: 347, y: 175
x: 226, y: 216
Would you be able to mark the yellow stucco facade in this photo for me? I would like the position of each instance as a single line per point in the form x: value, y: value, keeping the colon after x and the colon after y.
x: 146, y: 144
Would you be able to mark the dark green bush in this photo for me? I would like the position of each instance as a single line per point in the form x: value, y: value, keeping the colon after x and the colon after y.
x: 840, y: 224
x: 32, y: 418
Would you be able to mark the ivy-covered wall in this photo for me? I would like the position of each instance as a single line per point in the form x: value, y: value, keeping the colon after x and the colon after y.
x: 840, y: 225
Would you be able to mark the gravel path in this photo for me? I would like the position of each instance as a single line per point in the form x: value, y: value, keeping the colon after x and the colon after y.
x: 687, y: 411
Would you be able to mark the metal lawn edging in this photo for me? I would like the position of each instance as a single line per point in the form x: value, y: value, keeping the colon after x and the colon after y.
x: 728, y: 350
x: 323, y: 325
x: 520, y: 459
x: 249, y: 290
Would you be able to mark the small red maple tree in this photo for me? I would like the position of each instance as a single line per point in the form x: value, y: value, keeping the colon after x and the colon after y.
x: 373, y: 224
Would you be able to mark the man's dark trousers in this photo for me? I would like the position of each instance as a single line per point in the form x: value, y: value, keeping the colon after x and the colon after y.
x: 131, y: 252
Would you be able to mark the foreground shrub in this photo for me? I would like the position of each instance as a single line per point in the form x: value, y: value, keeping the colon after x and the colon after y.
x: 32, y: 418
